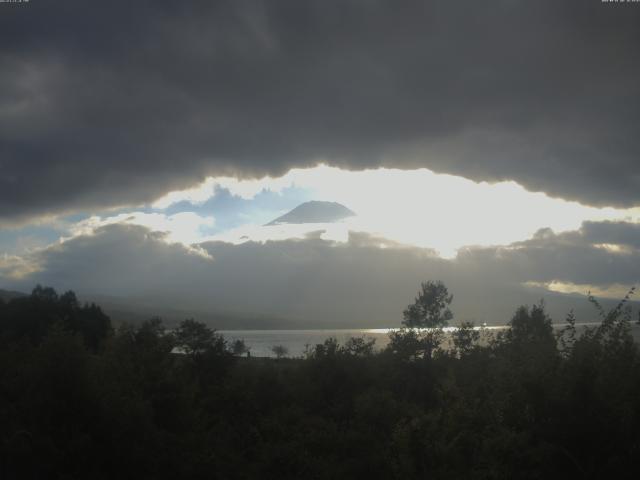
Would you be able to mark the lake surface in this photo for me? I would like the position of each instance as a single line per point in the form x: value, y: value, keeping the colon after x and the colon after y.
x: 260, y: 342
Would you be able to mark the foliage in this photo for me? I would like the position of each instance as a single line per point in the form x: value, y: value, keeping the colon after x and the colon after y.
x: 359, y: 347
x: 280, y: 351
x: 353, y: 347
x: 410, y: 344
x: 465, y: 338
x: 528, y: 404
x: 32, y: 317
x: 239, y: 348
x: 195, y: 338
x: 530, y: 326
x: 430, y: 308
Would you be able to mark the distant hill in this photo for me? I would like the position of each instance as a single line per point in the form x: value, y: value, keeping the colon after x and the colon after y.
x: 7, y: 295
x: 136, y: 310
x: 477, y: 306
x: 314, y: 212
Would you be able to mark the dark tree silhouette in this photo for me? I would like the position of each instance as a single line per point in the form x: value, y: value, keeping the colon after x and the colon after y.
x: 196, y: 338
x: 523, y: 404
x: 465, y: 338
x: 531, y: 326
x: 430, y: 308
x: 279, y: 351
x: 32, y: 317
x: 239, y: 348
x: 359, y: 346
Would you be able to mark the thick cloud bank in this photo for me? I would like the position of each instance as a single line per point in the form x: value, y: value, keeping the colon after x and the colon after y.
x: 316, y: 283
x: 112, y: 103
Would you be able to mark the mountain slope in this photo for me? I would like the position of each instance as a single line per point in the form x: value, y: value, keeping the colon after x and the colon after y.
x: 7, y: 295
x: 314, y: 212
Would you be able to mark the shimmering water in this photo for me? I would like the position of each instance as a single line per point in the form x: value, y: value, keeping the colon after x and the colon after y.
x: 260, y: 342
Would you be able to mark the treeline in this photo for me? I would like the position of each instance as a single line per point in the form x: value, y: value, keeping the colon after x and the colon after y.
x: 79, y: 399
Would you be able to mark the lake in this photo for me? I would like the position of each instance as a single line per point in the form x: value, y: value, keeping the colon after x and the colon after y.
x: 260, y: 342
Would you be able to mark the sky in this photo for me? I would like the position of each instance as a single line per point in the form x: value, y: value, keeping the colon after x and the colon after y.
x: 492, y: 145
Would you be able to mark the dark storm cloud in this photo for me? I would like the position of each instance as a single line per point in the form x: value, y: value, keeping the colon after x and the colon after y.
x: 615, y: 233
x: 111, y: 103
x: 322, y: 284
x: 599, y: 253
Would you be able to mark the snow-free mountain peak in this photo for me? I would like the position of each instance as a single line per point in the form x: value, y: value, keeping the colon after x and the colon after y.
x: 314, y: 212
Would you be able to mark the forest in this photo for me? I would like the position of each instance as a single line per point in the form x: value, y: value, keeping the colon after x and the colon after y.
x: 81, y: 398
